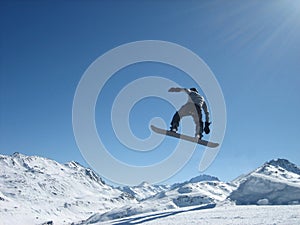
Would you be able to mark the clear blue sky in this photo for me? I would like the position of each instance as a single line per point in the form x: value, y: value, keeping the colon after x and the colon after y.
x: 253, y: 48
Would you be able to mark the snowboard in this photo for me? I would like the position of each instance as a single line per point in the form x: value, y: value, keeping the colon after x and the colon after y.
x: 184, y: 137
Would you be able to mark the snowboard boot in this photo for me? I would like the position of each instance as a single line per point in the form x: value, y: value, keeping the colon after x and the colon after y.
x: 173, y: 129
x: 199, y: 136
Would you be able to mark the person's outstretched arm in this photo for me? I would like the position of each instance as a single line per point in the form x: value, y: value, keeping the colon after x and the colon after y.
x: 206, y: 112
x: 178, y: 89
x: 207, y: 123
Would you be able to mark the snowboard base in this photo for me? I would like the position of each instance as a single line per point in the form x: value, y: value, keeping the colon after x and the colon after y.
x: 184, y: 137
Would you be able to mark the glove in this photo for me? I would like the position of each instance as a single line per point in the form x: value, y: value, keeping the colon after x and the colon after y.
x: 206, y: 128
x: 173, y: 89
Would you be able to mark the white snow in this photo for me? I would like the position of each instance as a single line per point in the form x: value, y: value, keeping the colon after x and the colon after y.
x: 177, y: 198
x: 38, y: 190
x: 34, y: 190
x: 223, y: 214
x: 144, y: 190
x: 276, y: 182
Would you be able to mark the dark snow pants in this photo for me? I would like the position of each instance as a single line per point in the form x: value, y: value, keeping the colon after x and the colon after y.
x: 189, y: 109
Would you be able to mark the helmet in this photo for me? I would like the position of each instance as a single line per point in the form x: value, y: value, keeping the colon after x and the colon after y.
x: 194, y: 89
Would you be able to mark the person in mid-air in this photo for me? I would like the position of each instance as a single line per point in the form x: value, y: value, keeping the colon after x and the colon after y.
x: 192, y: 108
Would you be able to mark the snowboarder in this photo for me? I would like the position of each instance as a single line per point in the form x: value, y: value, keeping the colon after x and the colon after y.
x: 192, y: 108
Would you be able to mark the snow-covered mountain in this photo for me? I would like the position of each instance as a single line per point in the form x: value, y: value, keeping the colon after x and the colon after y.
x: 275, y: 182
x: 203, y: 191
x: 144, y: 190
x: 200, y: 178
x: 34, y: 190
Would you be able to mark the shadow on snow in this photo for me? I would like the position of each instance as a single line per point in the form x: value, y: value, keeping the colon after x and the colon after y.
x: 147, y: 218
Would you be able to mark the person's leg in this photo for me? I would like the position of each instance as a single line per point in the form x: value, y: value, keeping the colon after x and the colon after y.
x: 183, y: 111
x: 198, y: 121
x: 175, y: 122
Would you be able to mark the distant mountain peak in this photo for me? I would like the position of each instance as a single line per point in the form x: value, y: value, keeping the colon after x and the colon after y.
x: 18, y: 155
x: 144, y: 184
x: 203, y: 177
x: 74, y: 164
x: 200, y: 178
x: 285, y: 164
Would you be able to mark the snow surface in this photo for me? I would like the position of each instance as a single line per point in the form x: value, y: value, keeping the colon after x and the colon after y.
x: 225, y: 215
x: 185, y: 195
x: 36, y: 190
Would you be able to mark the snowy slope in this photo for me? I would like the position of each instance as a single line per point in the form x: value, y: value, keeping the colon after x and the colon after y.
x: 276, y: 182
x: 34, y: 190
x: 38, y: 190
x: 178, y: 197
x: 224, y: 215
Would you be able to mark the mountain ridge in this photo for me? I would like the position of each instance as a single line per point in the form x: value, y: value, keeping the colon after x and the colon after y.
x: 285, y: 164
x: 34, y: 187
x: 40, y: 189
